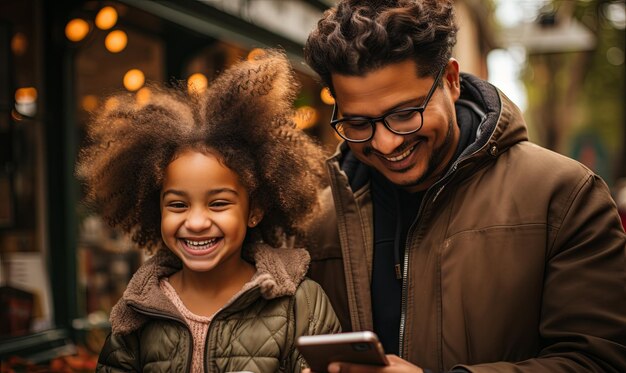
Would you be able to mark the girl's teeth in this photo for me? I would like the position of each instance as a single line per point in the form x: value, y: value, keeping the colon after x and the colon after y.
x: 200, y: 244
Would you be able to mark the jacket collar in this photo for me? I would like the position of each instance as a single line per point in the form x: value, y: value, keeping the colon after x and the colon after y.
x: 279, y: 271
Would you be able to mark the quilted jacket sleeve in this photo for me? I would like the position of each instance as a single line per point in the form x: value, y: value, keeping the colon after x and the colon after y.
x: 313, y: 315
x: 119, y: 354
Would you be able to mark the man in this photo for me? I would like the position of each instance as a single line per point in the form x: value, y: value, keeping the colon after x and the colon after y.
x: 461, y: 244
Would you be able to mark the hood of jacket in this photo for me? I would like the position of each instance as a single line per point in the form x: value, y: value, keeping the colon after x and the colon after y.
x: 279, y: 271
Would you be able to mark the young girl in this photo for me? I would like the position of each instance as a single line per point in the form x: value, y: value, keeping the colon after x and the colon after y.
x: 210, y: 182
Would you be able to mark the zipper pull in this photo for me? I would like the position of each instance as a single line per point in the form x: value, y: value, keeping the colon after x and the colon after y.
x: 438, y: 192
x: 398, y: 271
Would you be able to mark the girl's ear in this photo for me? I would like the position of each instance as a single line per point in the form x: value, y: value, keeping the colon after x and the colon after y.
x: 255, y: 217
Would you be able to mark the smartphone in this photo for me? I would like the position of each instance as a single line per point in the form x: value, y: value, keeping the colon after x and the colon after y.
x: 354, y: 347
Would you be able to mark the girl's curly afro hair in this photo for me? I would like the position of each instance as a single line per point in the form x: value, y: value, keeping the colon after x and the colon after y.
x: 245, y: 117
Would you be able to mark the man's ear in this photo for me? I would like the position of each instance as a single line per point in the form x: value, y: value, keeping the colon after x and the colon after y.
x: 254, y: 217
x: 452, y: 79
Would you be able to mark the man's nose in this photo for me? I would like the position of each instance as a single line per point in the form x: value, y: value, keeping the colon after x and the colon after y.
x: 385, y: 141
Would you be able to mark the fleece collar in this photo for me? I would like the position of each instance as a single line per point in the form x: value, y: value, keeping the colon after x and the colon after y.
x: 279, y: 271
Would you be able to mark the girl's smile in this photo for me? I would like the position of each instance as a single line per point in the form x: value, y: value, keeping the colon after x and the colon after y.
x: 205, y: 213
x: 200, y: 247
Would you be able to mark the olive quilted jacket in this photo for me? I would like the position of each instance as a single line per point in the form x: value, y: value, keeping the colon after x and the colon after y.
x: 254, y: 332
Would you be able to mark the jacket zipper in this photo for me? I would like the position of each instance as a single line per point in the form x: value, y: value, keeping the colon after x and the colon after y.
x: 162, y: 315
x: 288, y: 352
x: 405, y: 270
x: 165, y: 316
x: 215, y: 317
x: 405, y: 266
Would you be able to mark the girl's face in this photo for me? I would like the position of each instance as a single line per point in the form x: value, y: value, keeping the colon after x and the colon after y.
x: 205, y: 212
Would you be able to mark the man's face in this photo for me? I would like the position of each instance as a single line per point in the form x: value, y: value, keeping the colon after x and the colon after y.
x: 413, y: 161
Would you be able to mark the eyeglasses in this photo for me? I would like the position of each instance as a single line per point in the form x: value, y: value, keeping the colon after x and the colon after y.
x: 402, y: 121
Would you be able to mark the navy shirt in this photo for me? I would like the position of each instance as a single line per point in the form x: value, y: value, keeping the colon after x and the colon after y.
x: 390, y: 230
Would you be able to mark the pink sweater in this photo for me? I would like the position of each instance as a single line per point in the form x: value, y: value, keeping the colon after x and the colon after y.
x: 199, y: 325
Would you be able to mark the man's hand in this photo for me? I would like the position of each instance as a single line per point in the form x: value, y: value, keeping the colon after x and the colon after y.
x: 396, y: 365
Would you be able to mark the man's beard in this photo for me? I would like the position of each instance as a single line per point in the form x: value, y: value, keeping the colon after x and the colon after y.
x: 435, y: 160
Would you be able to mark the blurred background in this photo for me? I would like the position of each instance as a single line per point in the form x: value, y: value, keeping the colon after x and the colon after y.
x: 62, y: 269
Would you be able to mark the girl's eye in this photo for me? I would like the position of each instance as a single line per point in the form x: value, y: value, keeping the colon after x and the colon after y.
x: 220, y: 204
x: 176, y: 205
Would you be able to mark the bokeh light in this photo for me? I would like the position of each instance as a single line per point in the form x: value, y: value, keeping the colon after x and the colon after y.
x: 76, y: 29
x: 116, y: 41
x: 615, y: 56
x: 197, y: 83
x: 254, y: 53
x: 26, y: 101
x: 19, y: 44
x: 305, y: 117
x: 326, y: 97
x: 111, y: 103
x: 143, y: 96
x: 134, y: 79
x: 89, y: 103
x: 106, y: 18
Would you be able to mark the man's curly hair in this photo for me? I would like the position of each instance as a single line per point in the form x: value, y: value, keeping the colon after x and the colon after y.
x: 358, y: 36
x: 245, y: 117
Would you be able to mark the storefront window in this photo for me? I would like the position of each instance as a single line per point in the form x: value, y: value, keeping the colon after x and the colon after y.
x: 25, y: 296
x: 119, y: 57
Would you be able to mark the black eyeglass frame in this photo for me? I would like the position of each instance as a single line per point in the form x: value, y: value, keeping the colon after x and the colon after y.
x: 372, y: 121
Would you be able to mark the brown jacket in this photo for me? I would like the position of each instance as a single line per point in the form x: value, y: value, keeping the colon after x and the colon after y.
x: 254, y: 332
x: 515, y: 263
